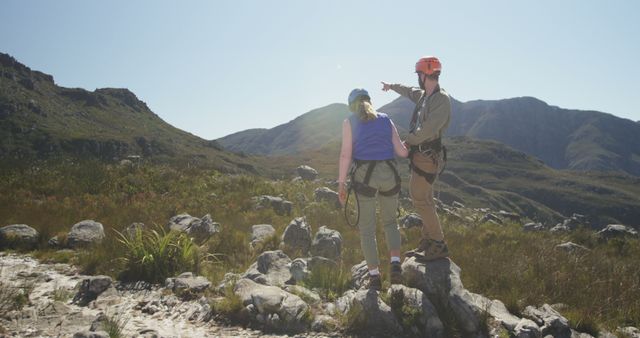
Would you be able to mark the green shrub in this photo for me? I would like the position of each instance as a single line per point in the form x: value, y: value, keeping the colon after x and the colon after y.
x: 153, y: 255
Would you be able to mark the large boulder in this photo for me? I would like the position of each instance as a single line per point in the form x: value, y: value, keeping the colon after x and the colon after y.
x: 426, y: 322
x: 297, y: 235
x: 271, y: 268
x: 325, y: 194
x: 440, y: 281
x: 307, y: 173
x: 18, y: 236
x: 367, y: 314
x: 327, y: 243
x: 260, y: 232
x: 278, y: 204
x: 616, y: 230
x: 273, y: 307
x: 200, y: 229
x: 550, y: 321
x: 85, y: 233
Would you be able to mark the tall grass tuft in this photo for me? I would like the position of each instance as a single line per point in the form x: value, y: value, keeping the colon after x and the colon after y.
x: 153, y: 255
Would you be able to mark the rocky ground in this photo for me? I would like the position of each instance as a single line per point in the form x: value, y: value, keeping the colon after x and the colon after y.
x: 270, y: 296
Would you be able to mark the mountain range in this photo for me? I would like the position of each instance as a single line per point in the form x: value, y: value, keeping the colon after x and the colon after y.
x: 39, y: 119
x: 561, y: 138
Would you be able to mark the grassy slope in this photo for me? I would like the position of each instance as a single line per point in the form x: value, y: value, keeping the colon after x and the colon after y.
x: 489, y: 174
x: 498, y: 261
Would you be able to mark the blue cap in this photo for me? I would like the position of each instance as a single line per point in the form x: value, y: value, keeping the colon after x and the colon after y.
x: 356, y: 93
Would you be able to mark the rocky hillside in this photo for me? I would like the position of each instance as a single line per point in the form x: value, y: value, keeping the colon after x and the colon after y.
x: 39, y: 119
x: 308, y: 131
x: 487, y: 173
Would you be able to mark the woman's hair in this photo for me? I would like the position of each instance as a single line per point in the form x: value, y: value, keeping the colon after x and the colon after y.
x: 363, y: 109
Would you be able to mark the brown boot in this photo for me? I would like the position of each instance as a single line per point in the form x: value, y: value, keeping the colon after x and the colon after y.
x: 429, y: 250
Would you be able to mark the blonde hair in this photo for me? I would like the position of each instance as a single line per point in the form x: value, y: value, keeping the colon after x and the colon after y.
x: 364, y: 110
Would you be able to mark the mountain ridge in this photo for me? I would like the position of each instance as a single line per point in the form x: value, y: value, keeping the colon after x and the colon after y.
x: 39, y: 119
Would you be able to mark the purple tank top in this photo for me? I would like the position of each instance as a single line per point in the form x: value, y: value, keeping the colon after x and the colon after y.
x: 372, y: 139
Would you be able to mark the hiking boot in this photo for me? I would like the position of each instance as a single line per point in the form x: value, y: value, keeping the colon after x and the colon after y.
x: 375, y: 282
x: 429, y: 250
x: 396, y: 273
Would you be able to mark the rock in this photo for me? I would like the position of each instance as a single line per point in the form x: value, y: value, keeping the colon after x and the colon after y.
x: 550, y: 321
x: 559, y: 228
x: 229, y: 279
x: 327, y: 243
x: 298, y: 269
x: 575, y: 221
x: 18, y: 236
x: 278, y: 204
x: 98, y: 322
x: 440, y: 281
x: 517, y: 327
x: 533, y: 227
x: 629, y: 331
x: 571, y: 247
x: 271, y: 268
x: 90, y: 334
x: 325, y: 194
x: 297, y: 235
x: 412, y: 220
x: 457, y: 205
x: 85, y: 233
x: 307, y: 295
x: 366, y: 314
x: 91, y: 287
x: 575, y: 334
x: 428, y: 323
x: 616, y: 231
x: 489, y: 217
x: 359, y: 275
x: 260, y: 232
x: 307, y: 173
x: 324, y: 323
x: 509, y: 215
x: 54, y: 242
x: 276, y: 309
x: 199, y: 229
x: 187, y: 285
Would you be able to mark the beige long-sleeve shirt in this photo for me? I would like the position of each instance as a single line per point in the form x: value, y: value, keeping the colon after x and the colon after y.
x: 434, y: 115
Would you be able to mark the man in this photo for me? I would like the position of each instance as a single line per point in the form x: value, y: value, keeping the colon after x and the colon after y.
x: 429, y: 121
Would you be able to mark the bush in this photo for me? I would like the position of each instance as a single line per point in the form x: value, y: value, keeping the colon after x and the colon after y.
x: 154, y: 255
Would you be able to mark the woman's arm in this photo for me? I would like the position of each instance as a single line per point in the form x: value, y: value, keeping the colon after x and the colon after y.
x: 345, y: 152
x: 398, y: 146
x: 345, y: 160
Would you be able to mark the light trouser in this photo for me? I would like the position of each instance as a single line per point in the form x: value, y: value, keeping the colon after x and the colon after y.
x: 382, y: 179
x: 421, y: 192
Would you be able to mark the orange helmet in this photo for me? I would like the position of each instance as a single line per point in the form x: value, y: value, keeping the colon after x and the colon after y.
x: 428, y: 65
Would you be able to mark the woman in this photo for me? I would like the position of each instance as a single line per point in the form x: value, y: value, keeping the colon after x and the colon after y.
x: 371, y: 141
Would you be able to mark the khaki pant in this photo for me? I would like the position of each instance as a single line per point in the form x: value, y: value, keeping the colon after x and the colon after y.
x: 382, y: 179
x: 421, y: 192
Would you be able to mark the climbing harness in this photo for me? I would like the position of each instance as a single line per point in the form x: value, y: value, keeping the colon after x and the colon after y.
x: 363, y: 188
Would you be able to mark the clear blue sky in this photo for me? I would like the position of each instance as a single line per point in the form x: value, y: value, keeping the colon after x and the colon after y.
x: 216, y: 67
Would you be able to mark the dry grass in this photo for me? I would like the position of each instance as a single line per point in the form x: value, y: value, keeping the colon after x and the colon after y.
x: 598, y: 287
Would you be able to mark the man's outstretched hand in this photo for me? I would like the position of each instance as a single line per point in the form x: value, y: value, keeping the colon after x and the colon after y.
x: 385, y: 86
